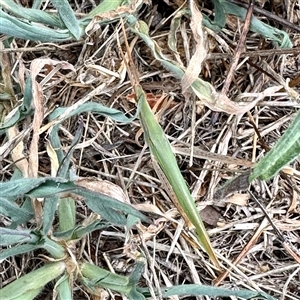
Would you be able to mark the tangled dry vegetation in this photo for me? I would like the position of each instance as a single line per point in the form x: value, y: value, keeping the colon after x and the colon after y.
x: 210, y: 148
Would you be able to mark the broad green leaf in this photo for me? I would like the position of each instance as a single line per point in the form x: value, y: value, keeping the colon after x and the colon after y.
x: 54, y: 248
x: 18, y: 249
x: 175, y: 24
x: 64, y: 167
x: 11, y: 210
x: 131, y: 221
x: 109, y: 208
x: 105, y: 6
x: 37, y: 4
x: 12, y: 26
x: 27, y: 204
x: 68, y: 17
x: 35, y: 188
x: 51, y: 187
x: 65, y: 235
x: 31, y: 14
x: 24, y: 109
x: 134, y: 294
x: 138, y: 271
x: 195, y: 289
x: 81, y: 231
x: 32, y: 281
x: 16, y: 188
x: 94, y: 276
x: 64, y: 289
x: 278, y: 37
x: 66, y: 214
x: 10, y: 236
x: 17, y: 174
x: 28, y: 295
x: 112, y: 113
x: 285, y: 150
x: 223, y: 7
x: 106, y: 279
x: 50, y: 207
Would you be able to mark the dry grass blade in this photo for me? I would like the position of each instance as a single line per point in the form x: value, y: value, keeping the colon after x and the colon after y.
x: 201, y: 153
x: 202, y: 89
x: 38, y: 102
x: 239, y: 49
x: 245, y: 251
x: 195, y: 65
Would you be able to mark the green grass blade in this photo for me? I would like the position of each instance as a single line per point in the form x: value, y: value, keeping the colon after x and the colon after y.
x: 68, y: 17
x: 219, y: 20
x: 16, y: 28
x: 96, y: 276
x: 162, y: 151
x: 223, y: 7
x: 29, y: 295
x: 11, y: 236
x: 62, y: 113
x: 64, y: 289
x: 17, y: 214
x: 50, y: 207
x: 175, y: 25
x: 64, y: 164
x: 19, y: 187
x: 18, y: 249
x: 286, y: 150
x: 81, y: 231
x: 278, y: 37
x: 109, y: 208
x: 23, y: 110
x: 105, y: 6
x: 54, y: 248
x: 66, y: 214
x: 196, y: 289
x: 31, y: 14
x: 32, y: 281
x: 51, y: 187
x: 93, y: 276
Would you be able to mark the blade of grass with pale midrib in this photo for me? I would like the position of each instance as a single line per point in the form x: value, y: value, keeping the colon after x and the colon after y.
x: 162, y: 151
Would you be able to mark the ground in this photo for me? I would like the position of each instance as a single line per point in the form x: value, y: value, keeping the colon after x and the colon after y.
x: 256, y: 255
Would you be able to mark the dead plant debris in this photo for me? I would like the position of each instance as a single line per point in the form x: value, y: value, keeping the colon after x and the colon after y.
x: 250, y: 251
